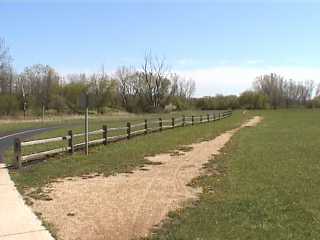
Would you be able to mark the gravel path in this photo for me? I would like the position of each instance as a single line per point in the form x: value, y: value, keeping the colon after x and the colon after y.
x: 127, y: 206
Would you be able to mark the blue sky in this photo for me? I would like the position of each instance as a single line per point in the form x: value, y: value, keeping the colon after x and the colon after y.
x: 221, y: 45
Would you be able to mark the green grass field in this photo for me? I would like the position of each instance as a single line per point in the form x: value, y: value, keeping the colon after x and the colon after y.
x: 268, y: 187
x: 76, y: 122
x: 65, y: 123
x: 119, y: 157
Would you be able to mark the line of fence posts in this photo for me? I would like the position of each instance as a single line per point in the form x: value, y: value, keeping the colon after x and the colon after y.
x: 17, y: 153
x: 105, y: 134
x: 145, y: 126
x: 70, y: 142
x: 104, y: 140
x: 128, y: 130
x: 160, y: 124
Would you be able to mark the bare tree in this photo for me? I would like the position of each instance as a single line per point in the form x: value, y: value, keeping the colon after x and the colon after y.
x: 128, y: 84
x: 38, y: 83
x: 154, y: 75
x: 102, y: 90
x: 6, y: 71
x: 317, y: 94
x: 282, y: 92
x: 180, y: 87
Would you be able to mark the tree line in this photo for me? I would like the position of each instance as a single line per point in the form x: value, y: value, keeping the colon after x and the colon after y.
x: 268, y: 91
x: 150, y: 88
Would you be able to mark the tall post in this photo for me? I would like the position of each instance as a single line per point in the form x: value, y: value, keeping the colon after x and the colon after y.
x: 128, y: 130
x: 160, y: 124
x: 172, y: 122
x: 70, y: 142
x: 183, y: 120
x: 200, y: 118
x: 17, y: 153
x: 105, y: 134
x: 208, y: 117
x: 43, y: 111
x: 24, y: 102
x: 192, y: 120
x: 24, y: 110
x: 145, y: 126
x: 87, y: 125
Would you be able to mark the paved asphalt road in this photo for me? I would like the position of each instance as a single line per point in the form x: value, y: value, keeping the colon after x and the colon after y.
x: 6, y: 140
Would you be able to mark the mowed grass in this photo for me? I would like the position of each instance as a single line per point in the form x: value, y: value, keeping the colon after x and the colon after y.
x: 7, y: 127
x: 122, y: 156
x: 61, y: 126
x: 268, y: 186
x: 76, y: 122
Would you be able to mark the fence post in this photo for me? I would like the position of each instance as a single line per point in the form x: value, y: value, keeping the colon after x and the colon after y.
x: 17, y: 153
x: 200, y: 118
x: 105, y: 134
x: 70, y: 142
x: 160, y: 124
x: 183, y: 120
x: 172, y: 122
x: 145, y: 126
x: 128, y: 130
x: 192, y: 120
x: 208, y: 117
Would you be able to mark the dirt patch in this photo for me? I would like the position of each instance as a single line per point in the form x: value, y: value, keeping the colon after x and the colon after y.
x: 127, y: 206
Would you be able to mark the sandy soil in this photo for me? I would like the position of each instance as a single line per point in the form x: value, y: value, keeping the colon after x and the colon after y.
x: 127, y: 206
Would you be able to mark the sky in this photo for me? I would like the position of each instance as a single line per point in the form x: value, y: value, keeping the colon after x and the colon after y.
x: 222, y: 45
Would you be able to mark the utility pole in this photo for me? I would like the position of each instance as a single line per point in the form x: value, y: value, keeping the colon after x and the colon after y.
x: 43, y: 112
x: 24, y: 102
x: 86, y: 122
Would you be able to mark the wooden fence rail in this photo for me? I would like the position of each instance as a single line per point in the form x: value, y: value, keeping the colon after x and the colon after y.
x: 130, y: 130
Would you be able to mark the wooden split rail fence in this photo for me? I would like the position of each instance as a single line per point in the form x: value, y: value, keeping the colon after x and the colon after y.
x: 128, y: 131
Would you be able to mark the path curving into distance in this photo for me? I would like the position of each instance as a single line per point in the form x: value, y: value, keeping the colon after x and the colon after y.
x: 127, y: 206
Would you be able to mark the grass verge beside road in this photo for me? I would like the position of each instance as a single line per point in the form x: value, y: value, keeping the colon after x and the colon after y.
x: 76, y: 122
x: 62, y: 125
x: 122, y: 156
x: 267, y: 186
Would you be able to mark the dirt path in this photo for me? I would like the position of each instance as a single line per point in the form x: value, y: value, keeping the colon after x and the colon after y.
x: 127, y: 206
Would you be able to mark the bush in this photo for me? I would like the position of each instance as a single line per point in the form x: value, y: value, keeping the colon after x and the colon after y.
x: 253, y: 100
x: 9, y: 104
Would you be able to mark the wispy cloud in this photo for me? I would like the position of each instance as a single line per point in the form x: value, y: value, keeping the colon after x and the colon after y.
x: 185, y: 61
x: 235, y: 79
x: 226, y: 79
x: 254, y: 61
